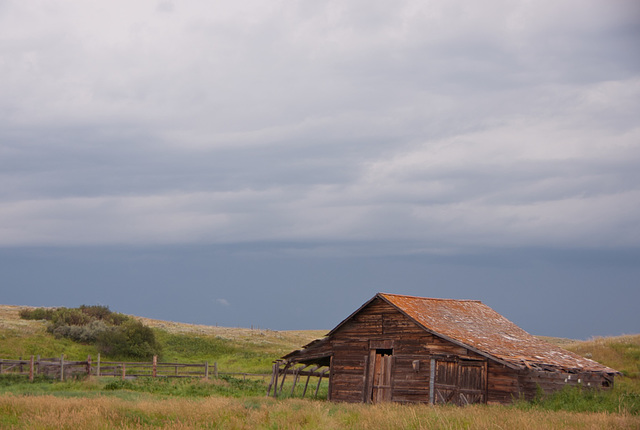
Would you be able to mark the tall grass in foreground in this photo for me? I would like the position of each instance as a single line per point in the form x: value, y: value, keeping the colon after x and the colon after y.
x: 576, y: 399
x: 47, y: 412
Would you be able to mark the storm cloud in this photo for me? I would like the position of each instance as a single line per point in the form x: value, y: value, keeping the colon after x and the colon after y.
x: 344, y: 128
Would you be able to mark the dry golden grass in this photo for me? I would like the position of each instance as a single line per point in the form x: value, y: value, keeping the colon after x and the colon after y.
x: 10, y: 320
x: 48, y: 412
x: 620, y: 352
x: 284, y: 340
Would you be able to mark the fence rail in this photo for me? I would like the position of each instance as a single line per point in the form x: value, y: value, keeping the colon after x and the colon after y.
x: 63, y: 369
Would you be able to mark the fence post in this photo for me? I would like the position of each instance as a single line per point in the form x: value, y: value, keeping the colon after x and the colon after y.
x: 124, y: 371
x: 98, y: 366
x: 155, y: 366
x: 215, y: 369
x: 61, y: 367
x: 276, y: 372
x: 31, y: 369
x: 206, y: 370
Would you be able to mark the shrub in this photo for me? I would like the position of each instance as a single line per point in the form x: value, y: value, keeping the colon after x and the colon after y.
x: 84, y: 334
x: 117, y: 318
x: 97, y: 312
x: 112, y: 342
x: 132, y: 339
x: 113, y: 333
x: 37, y: 314
x: 69, y: 316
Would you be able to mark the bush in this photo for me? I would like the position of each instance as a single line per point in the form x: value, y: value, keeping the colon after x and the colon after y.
x: 97, y: 312
x: 84, y: 334
x: 132, y: 339
x: 37, y: 314
x: 69, y: 316
x: 117, y: 318
x: 113, y: 333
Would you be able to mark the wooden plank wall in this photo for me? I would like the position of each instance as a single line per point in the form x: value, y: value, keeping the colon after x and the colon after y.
x: 531, y: 381
x: 379, y: 321
x: 502, y: 383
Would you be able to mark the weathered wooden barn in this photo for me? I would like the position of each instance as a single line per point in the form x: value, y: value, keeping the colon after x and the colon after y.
x: 421, y: 350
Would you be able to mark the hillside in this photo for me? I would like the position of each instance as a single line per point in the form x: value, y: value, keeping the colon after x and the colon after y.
x: 244, y: 349
x: 234, y: 349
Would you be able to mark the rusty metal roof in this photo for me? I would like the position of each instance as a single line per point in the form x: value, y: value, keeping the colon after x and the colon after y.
x: 473, y: 324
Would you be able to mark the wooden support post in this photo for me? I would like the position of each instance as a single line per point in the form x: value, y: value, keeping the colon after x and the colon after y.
x: 275, y: 381
x: 306, y: 384
x: 31, y: 369
x: 273, y: 374
x: 206, y: 370
x: 124, y: 371
x: 88, y: 365
x: 284, y: 376
x: 432, y: 380
x: 215, y: 369
x: 318, y: 386
x: 62, y: 367
x: 98, y: 366
x: 295, y: 381
x: 154, y: 372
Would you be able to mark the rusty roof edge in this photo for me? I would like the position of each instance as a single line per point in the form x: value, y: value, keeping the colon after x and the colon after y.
x: 431, y: 298
x: 450, y: 339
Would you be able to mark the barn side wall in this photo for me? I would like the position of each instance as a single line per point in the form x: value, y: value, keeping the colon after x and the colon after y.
x: 532, y: 381
x: 503, y: 385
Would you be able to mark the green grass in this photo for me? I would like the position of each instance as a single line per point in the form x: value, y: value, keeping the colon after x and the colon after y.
x: 231, y: 356
x: 15, y: 344
x: 577, y: 399
x: 225, y: 386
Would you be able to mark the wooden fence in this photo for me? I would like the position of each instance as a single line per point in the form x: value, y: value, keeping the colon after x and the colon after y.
x: 63, y: 369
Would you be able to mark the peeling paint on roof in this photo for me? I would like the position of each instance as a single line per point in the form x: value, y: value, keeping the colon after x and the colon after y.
x: 472, y: 323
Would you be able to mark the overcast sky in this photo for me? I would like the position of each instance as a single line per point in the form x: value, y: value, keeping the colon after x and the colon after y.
x: 277, y: 163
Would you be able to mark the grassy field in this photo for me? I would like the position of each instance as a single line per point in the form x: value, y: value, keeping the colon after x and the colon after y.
x: 47, y: 412
x: 234, y: 349
x: 234, y: 403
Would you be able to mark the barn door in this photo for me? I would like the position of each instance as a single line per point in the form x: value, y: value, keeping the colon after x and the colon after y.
x: 459, y: 382
x: 382, y: 368
x: 471, y: 379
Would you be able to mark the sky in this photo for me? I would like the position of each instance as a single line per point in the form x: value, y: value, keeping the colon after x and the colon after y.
x: 275, y: 164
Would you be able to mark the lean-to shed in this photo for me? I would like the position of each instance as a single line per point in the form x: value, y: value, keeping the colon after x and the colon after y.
x: 414, y: 349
